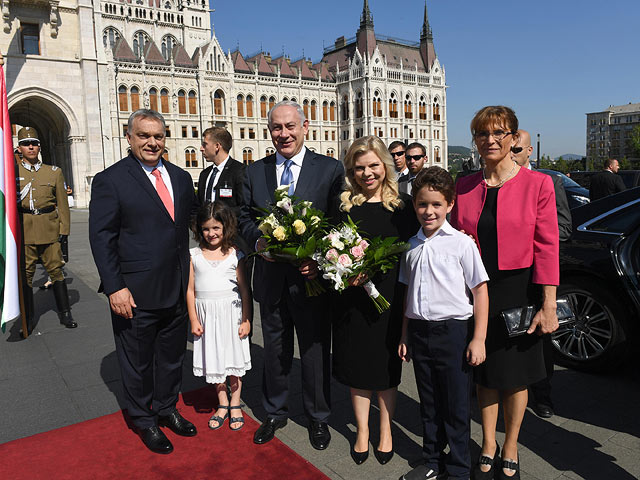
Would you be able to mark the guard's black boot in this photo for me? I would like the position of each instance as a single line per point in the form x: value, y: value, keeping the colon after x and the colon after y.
x: 62, y: 302
x: 28, y: 307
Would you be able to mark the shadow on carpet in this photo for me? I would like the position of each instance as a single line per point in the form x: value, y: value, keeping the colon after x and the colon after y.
x: 104, y: 448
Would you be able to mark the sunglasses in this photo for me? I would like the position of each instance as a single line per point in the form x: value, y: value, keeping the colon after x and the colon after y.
x: 397, y: 154
x: 30, y: 143
x: 516, y: 149
x: 415, y: 158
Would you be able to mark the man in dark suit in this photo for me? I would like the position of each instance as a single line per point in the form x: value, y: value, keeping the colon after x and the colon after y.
x: 541, y: 391
x: 415, y: 156
x: 606, y: 182
x: 139, y: 232
x: 223, y: 180
x: 279, y: 287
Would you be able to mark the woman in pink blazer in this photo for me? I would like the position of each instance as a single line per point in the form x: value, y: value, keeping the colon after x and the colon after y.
x: 511, y: 212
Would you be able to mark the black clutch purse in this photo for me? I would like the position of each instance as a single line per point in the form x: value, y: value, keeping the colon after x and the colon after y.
x: 518, y: 320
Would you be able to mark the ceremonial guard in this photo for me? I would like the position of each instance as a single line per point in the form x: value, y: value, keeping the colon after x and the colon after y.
x: 44, y: 211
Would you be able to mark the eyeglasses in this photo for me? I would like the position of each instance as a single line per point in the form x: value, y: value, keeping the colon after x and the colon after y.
x: 516, y: 149
x: 397, y: 154
x: 414, y: 158
x: 498, y: 135
x: 30, y: 143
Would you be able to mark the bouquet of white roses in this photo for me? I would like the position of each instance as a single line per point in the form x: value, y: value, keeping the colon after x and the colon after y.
x: 343, y: 254
x: 292, y: 229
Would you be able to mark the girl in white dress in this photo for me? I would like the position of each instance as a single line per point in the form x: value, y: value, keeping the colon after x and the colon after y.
x: 219, y: 306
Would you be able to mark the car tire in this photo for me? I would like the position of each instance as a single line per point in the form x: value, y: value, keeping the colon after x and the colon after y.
x: 595, y: 341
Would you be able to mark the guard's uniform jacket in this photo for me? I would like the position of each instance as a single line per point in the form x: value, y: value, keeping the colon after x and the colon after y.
x: 44, y: 208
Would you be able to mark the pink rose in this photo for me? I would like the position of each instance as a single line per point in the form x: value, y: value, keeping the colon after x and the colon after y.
x: 364, y: 244
x: 345, y: 260
x: 331, y: 255
x: 357, y: 251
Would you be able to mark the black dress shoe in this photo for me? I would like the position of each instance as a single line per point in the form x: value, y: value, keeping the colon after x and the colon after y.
x: 543, y: 410
x: 155, y: 440
x: 319, y: 435
x: 359, y: 457
x: 178, y: 424
x: 267, y: 430
x: 383, y: 457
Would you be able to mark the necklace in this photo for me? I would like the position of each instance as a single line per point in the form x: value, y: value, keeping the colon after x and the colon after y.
x: 501, y: 182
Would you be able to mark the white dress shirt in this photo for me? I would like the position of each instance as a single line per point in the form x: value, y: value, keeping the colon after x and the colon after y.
x: 402, y: 172
x: 163, y: 173
x: 296, y: 166
x: 215, y: 180
x: 439, y: 272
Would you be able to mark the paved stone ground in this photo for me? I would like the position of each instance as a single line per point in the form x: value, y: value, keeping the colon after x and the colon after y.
x: 60, y: 377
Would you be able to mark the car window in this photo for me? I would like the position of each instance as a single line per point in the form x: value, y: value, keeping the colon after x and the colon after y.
x: 566, y: 181
x: 629, y: 178
x: 620, y: 221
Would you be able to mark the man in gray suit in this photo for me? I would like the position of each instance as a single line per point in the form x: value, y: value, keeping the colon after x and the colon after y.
x: 415, y: 157
x: 279, y: 287
x: 541, y: 391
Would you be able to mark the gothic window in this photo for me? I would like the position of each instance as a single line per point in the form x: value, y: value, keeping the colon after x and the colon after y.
x: 240, y: 105
x: 408, y: 107
x: 436, y: 110
x: 190, y: 159
x: 270, y: 151
x: 153, y: 99
x: 393, y: 106
x: 168, y: 44
x: 123, y: 101
x: 109, y: 37
x: 436, y: 154
x: 249, y: 106
x: 247, y: 156
x: 325, y: 111
x: 164, y: 100
x: 331, y: 152
x: 377, y: 105
x: 167, y: 5
x: 30, y: 36
x: 192, y: 102
x: 218, y: 103
x: 422, y: 109
x: 332, y: 111
x: 182, y: 101
x: 140, y: 40
x: 305, y: 108
x: 358, y: 105
x: 135, y: 99
x: 313, y: 109
x: 272, y: 102
x: 263, y: 107
x: 345, y: 108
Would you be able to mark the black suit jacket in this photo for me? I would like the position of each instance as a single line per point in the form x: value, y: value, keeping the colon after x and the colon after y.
x: 605, y: 183
x: 562, y: 205
x: 320, y: 182
x: 134, y: 241
x: 231, y: 177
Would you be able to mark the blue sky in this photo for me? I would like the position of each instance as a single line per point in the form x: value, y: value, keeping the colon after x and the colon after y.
x: 552, y: 61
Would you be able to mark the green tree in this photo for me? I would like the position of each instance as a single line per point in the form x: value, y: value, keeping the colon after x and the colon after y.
x: 625, y: 164
x: 635, y: 140
x: 545, y: 162
x: 561, y: 165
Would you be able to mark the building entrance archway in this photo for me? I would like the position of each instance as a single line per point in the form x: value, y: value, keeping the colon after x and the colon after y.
x: 53, y: 129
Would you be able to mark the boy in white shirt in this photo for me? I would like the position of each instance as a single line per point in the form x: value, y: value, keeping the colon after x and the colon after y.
x: 443, y: 329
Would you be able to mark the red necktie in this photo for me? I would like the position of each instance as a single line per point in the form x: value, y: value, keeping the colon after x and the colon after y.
x: 163, y: 192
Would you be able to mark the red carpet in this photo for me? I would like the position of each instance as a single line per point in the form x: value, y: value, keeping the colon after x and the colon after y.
x: 104, y: 448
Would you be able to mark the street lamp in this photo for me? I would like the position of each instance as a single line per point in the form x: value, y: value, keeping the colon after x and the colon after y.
x: 538, y: 165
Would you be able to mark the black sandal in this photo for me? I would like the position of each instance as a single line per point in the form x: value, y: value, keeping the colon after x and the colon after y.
x: 236, y: 419
x: 219, y: 419
x: 478, y: 473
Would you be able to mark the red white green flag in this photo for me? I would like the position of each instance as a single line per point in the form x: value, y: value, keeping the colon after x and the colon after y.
x: 9, y: 227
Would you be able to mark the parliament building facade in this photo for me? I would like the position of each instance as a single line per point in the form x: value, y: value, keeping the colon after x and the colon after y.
x: 76, y: 69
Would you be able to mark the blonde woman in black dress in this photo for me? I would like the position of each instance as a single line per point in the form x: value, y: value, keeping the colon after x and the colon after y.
x: 364, y: 341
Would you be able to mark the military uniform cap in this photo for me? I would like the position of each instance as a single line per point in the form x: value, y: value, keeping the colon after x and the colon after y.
x: 27, y: 133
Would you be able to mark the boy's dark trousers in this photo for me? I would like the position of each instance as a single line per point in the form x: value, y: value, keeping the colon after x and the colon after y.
x: 443, y: 378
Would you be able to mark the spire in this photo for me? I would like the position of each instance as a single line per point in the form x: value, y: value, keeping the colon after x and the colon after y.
x: 426, y: 28
x: 366, y: 19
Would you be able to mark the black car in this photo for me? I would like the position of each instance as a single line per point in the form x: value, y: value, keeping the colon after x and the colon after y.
x: 600, y: 275
x: 582, y: 177
x: 576, y: 195
x: 631, y: 178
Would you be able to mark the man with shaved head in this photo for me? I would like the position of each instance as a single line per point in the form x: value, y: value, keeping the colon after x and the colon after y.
x: 541, y: 391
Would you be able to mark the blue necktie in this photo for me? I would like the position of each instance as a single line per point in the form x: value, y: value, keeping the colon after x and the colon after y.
x: 287, y: 176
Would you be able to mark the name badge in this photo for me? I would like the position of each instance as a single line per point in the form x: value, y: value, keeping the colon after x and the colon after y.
x: 226, y: 193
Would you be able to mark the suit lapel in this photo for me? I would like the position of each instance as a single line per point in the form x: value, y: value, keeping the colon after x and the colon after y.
x: 307, y: 174
x: 270, y: 175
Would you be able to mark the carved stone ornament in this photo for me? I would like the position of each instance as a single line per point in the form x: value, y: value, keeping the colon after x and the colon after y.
x: 6, y: 16
x: 53, y: 17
